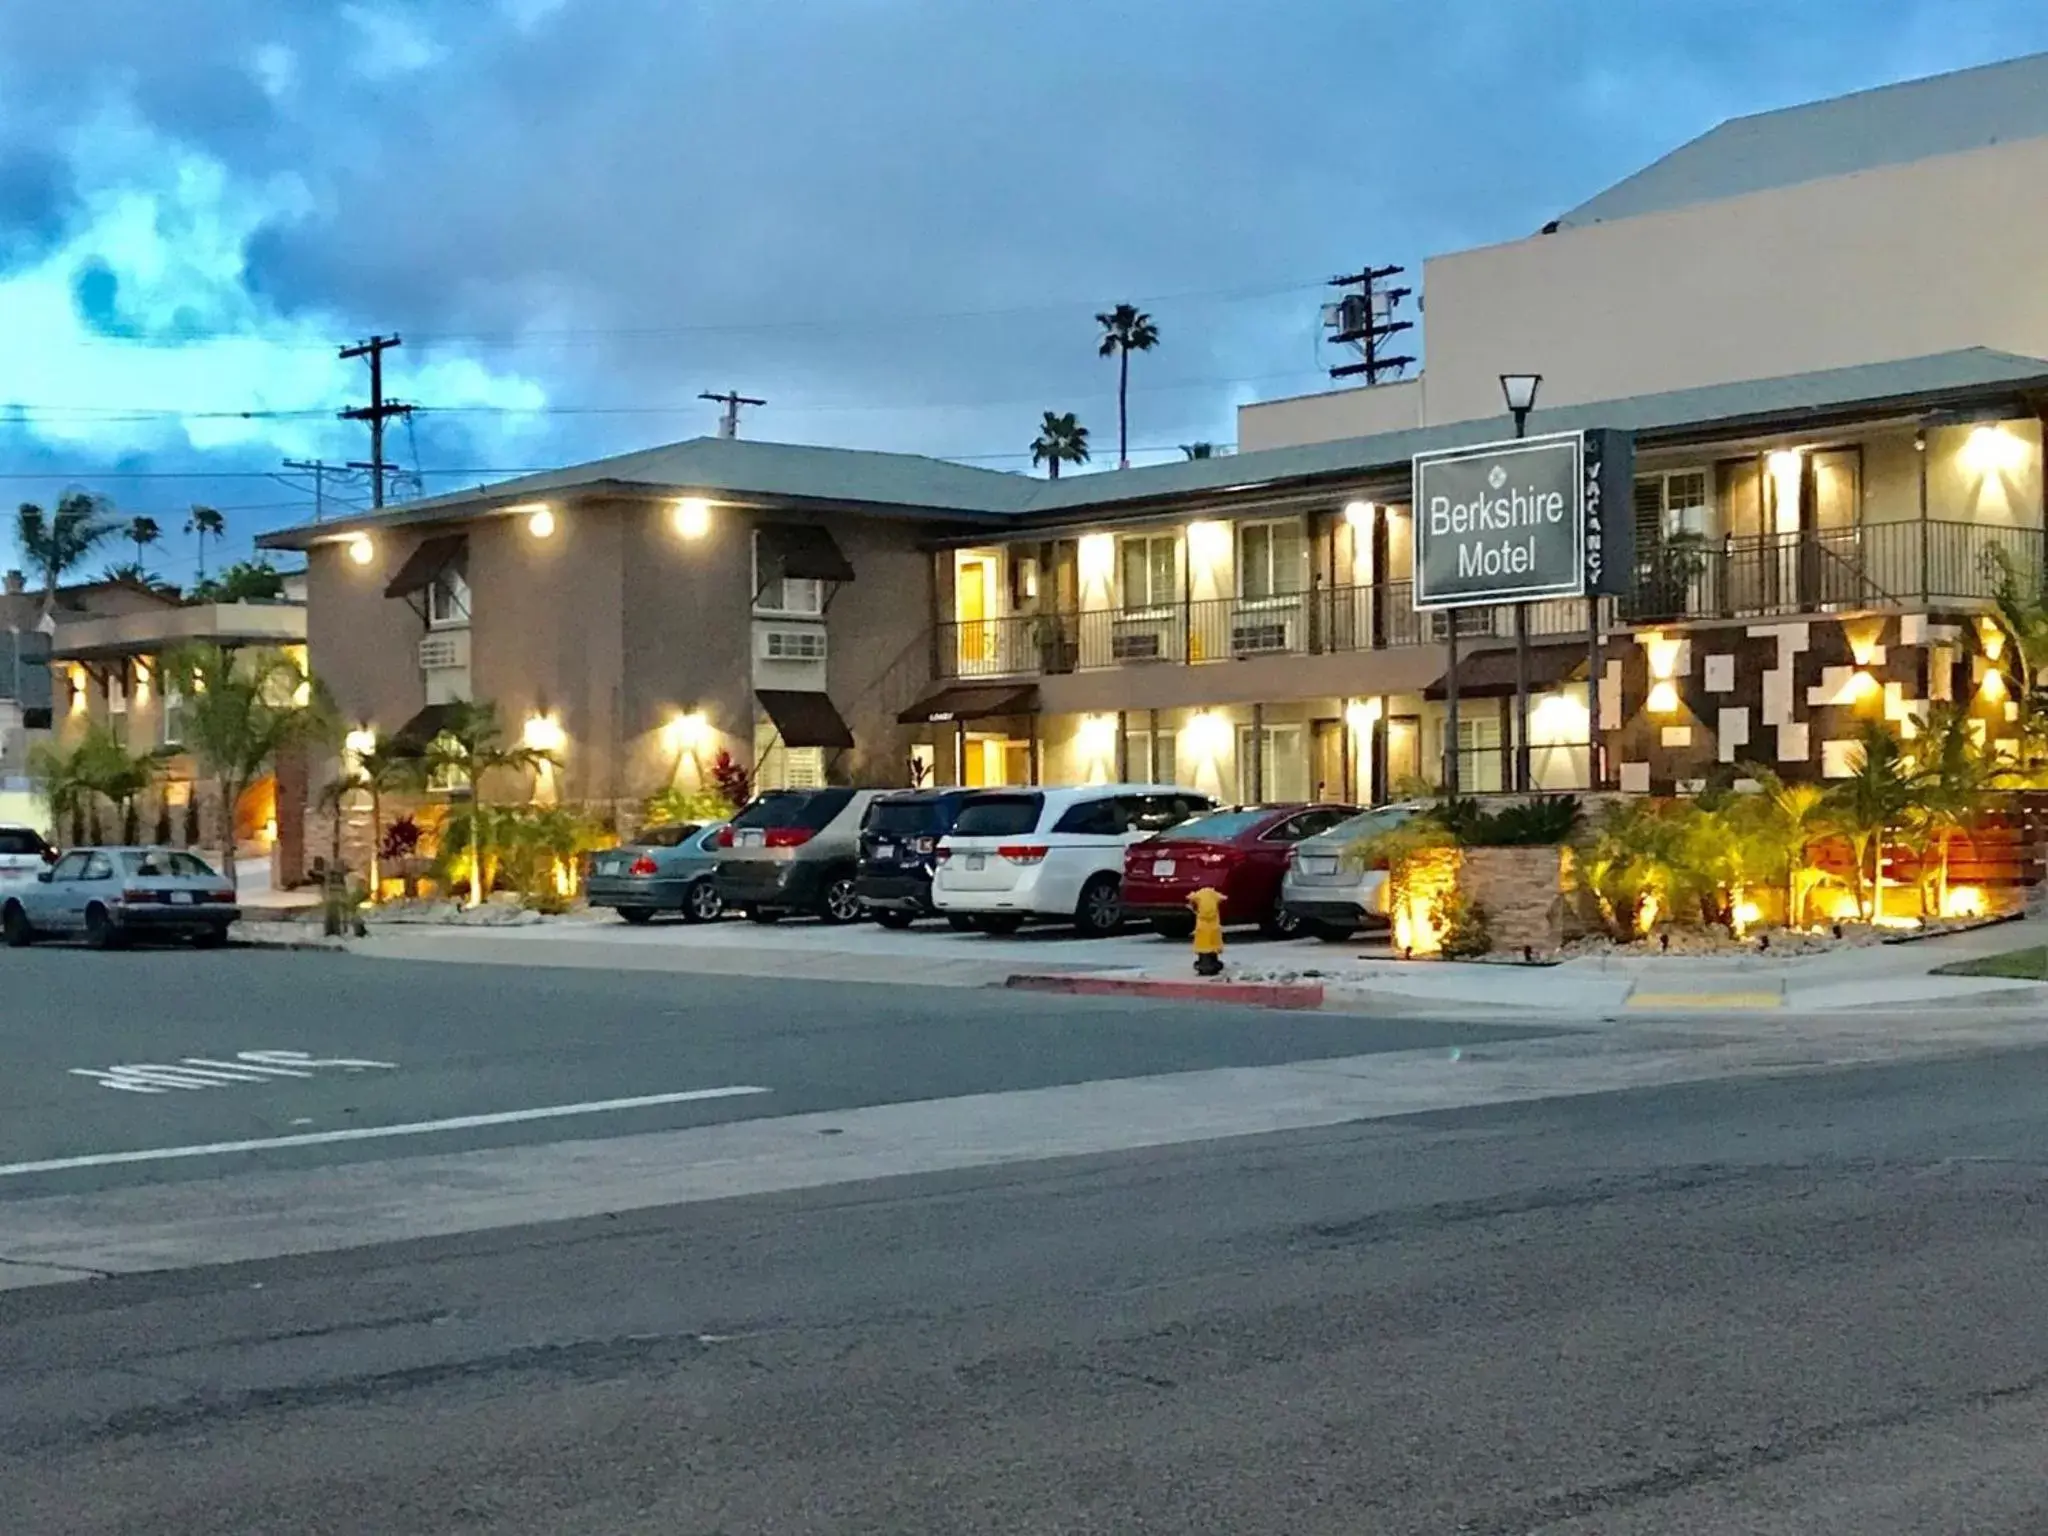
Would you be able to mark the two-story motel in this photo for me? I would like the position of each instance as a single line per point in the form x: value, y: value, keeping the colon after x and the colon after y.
x: 1824, y: 327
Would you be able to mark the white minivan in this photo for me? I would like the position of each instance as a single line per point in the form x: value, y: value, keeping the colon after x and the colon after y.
x: 1018, y: 854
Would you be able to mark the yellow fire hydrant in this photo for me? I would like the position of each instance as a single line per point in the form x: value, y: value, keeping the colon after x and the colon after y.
x: 1208, y: 907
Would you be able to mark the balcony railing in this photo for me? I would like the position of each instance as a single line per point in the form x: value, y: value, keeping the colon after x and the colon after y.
x: 1875, y: 566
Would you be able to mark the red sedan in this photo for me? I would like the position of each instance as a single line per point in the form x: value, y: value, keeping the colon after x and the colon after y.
x: 1240, y: 851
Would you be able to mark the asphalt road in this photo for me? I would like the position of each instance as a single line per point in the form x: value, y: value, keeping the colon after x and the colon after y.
x: 1795, y: 1305
x: 297, y: 1044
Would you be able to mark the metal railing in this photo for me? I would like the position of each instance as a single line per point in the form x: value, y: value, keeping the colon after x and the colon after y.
x: 1873, y: 566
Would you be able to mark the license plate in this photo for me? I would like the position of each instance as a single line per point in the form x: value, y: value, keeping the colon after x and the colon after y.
x: 885, y: 853
x: 750, y: 839
x: 976, y: 861
x: 611, y: 866
x: 181, y: 898
x: 1319, y: 866
x: 1162, y: 868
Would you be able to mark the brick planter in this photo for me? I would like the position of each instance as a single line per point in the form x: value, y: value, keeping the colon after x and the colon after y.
x: 1524, y: 892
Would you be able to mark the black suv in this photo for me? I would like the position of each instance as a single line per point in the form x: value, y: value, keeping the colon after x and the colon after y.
x: 899, y: 847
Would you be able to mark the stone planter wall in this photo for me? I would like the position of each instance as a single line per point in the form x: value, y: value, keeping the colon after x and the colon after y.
x: 1524, y: 892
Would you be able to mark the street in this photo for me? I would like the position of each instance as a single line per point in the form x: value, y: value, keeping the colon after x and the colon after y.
x: 1128, y: 1274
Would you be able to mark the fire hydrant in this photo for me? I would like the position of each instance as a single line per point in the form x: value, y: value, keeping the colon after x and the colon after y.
x: 1208, y: 907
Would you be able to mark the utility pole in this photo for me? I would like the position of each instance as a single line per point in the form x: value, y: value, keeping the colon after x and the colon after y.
x: 1365, y: 320
x: 378, y: 411
x: 319, y: 469
x: 732, y: 400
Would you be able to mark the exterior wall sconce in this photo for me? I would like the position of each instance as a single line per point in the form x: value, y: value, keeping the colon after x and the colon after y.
x: 361, y: 550
x: 1358, y: 515
x: 688, y: 732
x: 1664, y: 698
x: 540, y: 522
x: 692, y: 517
x: 544, y: 733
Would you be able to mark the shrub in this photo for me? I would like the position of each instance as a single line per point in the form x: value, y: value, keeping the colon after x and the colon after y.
x: 1544, y: 822
x: 1462, y: 925
x: 673, y: 807
x: 1626, y: 866
x: 401, y: 840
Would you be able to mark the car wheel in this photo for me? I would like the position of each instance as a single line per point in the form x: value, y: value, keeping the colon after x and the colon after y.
x: 702, y: 903
x: 1331, y: 933
x: 1280, y: 924
x: 890, y: 917
x: 100, y: 932
x: 1174, y: 927
x: 763, y: 915
x: 215, y: 937
x: 637, y: 915
x: 15, y: 927
x: 842, y: 902
x: 1100, y: 911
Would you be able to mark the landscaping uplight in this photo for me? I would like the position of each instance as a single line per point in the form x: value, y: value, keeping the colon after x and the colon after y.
x: 1964, y: 901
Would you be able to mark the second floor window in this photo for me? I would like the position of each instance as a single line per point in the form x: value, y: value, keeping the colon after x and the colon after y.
x: 171, y: 716
x: 1148, y: 570
x: 1271, y: 559
x: 448, y: 601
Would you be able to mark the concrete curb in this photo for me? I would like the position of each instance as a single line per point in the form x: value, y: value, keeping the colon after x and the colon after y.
x: 1244, y: 994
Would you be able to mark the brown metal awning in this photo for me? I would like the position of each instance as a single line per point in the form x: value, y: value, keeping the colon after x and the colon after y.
x: 1491, y: 674
x: 805, y: 719
x: 799, y: 552
x: 417, y: 734
x: 970, y: 702
x: 428, y: 561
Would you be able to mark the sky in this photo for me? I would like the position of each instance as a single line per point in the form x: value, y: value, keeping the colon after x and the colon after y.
x: 894, y: 220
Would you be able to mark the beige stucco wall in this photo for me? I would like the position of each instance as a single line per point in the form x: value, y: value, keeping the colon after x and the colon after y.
x: 1361, y: 411
x: 880, y: 657
x: 1901, y: 261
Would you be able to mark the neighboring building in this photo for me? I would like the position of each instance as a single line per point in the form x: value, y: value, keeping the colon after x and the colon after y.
x: 1885, y: 225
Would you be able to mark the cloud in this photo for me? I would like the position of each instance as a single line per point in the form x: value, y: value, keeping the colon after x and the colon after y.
x: 393, y: 43
x: 275, y: 68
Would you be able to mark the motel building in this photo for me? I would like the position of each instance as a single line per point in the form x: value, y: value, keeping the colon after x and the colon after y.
x: 1829, y: 404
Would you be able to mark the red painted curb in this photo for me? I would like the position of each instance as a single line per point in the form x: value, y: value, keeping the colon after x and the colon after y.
x: 1249, y: 994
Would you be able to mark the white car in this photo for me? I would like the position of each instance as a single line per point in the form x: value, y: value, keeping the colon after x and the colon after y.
x: 23, y: 855
x: 1018, y: 854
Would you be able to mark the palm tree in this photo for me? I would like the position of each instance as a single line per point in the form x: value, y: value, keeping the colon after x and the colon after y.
x: 1954, y: 780
x: 385, y: 767
x: 1877, y: 796
x: 60, y: 778
x: 241, y: 708
x: 205, y: 523
x: 1061, y: 440
x: 1198, y: 450
x: 470, y: 747
x: 55, y: 543
x: 1125, y: 329
x: 142, y: 532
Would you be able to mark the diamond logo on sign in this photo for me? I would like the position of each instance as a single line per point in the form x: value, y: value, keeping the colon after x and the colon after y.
x: 1497, y: 478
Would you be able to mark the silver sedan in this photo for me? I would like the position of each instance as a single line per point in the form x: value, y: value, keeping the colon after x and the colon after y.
x: 108, y: 896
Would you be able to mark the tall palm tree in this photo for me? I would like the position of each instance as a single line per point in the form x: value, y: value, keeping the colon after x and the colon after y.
x: 205, y: 523
x: 1061, y: 440
x: 1125, y: 329
x: 470, y: 747
x: 241, y: 709
x: 384, y: 768
x: 55, y: 543
x: 1877, y: 797
x: 142, y: 532
x: 1954, y: 778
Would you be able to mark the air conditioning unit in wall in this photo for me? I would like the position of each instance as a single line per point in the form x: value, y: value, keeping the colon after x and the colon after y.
x: 790, y: 643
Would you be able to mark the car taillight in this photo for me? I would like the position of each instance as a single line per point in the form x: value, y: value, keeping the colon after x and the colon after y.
x: 1023, y: 853
x: 139, y: 898
x: 1213, y: 858
x: 644, y: 865
x: 942, y: 854
x: 725, y: 837
x: 223, y: 896
x: 788, y: 837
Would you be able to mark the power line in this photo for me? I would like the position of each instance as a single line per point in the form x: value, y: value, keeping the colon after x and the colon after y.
x: 378, y: 411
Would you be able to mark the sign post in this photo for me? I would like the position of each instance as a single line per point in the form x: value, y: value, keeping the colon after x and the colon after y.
x: 1518, y: 522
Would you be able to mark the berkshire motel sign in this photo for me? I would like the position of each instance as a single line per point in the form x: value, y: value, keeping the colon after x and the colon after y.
x: 1531, y: 518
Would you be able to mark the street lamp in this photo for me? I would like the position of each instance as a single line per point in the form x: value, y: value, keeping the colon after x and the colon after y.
x: 1519, y: 390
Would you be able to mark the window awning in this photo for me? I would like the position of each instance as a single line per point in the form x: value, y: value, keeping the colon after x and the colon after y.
x: 804, y: 719
x: 1491, y: 674
x: 428, y: 561
x: 417, y: 734
x: 799, y: 552
x: 973, y: 703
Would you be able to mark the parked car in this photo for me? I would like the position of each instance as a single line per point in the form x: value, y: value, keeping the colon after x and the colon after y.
x: 1018, y: 854
x: 23, y: 855
x: 793, y: 852
x: 663, y: 869
x: 1240, y: 852
x: 899, y: 849
x: 1329, y: 892
x: 109, y: 896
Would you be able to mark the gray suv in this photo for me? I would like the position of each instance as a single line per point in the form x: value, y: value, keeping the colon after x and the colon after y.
x: 795, y: 852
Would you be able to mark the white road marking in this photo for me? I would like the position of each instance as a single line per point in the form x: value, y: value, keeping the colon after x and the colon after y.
x: 192, y: 1072
x: 371, y: 1132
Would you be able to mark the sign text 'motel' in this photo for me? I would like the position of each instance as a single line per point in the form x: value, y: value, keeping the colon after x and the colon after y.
x: 1525, y: 519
